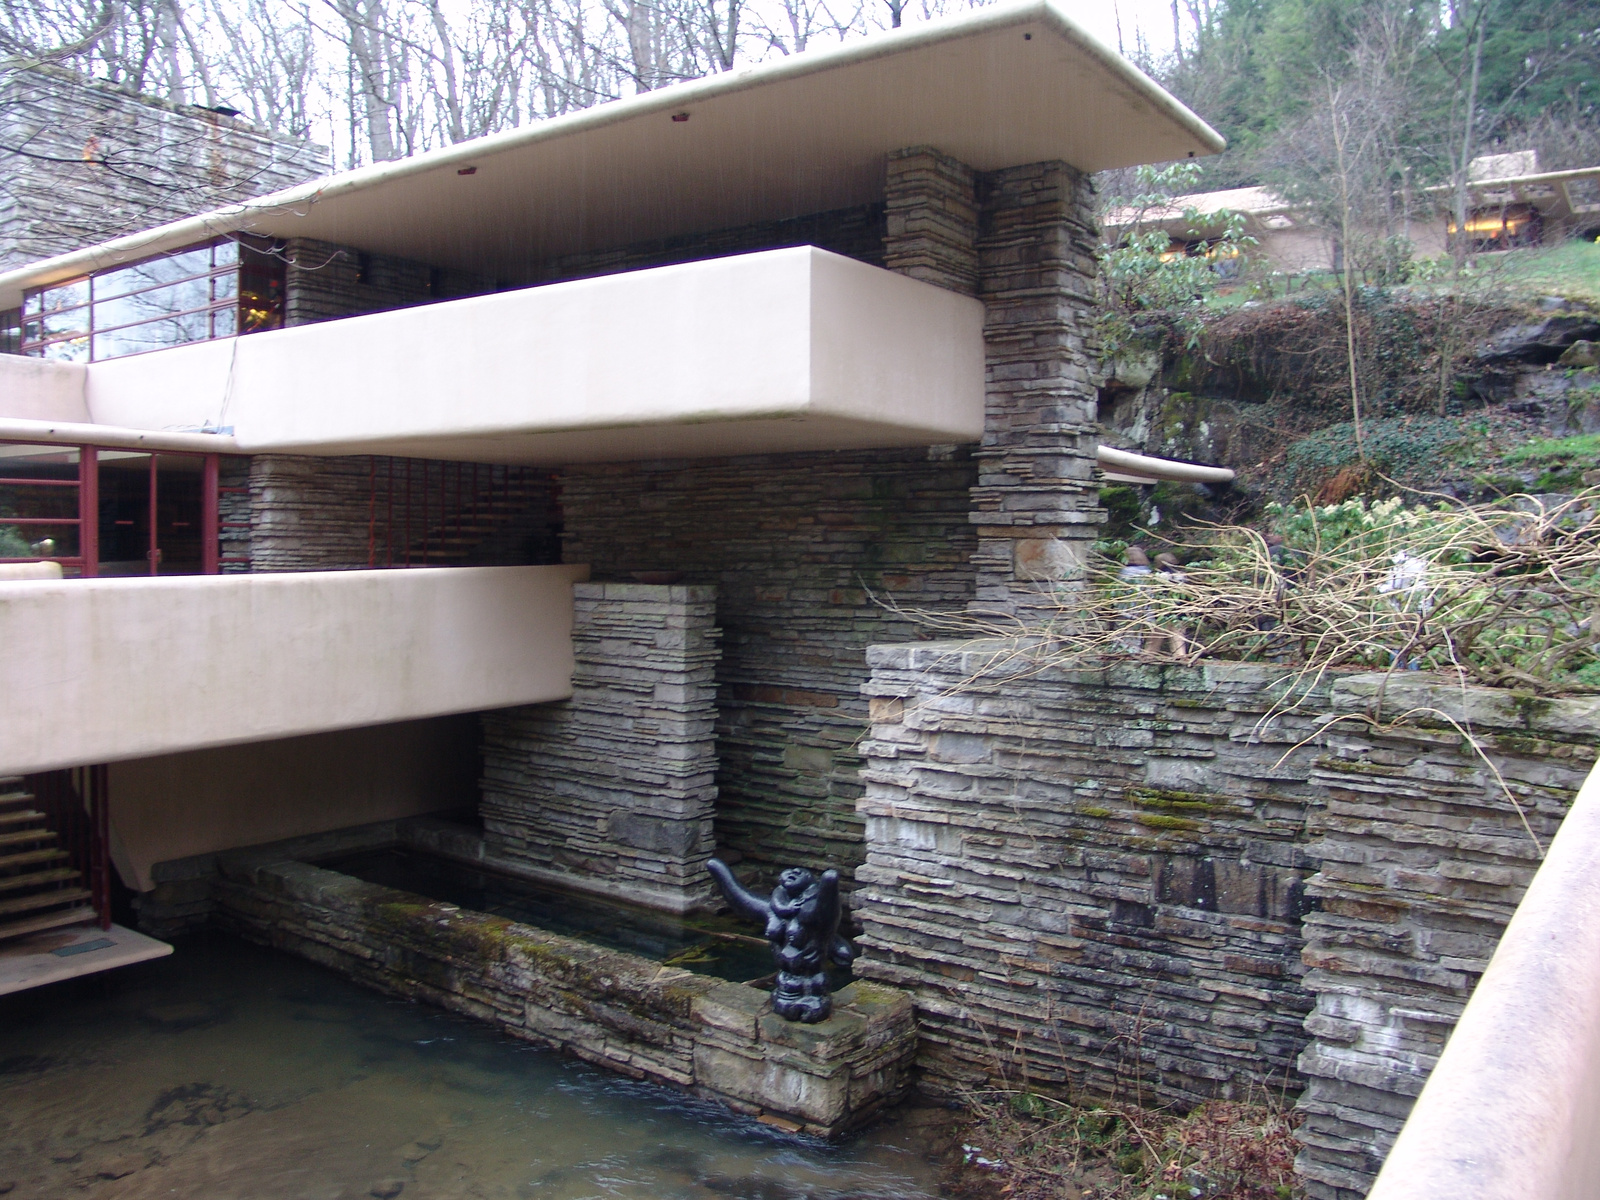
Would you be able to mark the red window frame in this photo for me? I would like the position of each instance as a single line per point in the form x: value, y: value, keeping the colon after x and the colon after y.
x: 87, y: 522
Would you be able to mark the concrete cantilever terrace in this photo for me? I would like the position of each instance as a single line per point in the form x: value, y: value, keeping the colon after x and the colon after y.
x: 1016, y: 83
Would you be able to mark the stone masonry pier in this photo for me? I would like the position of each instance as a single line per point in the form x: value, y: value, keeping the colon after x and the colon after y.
x: 612, y: 791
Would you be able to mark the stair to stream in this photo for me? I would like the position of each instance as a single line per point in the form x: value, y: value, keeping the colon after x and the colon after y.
x: 39, y: 887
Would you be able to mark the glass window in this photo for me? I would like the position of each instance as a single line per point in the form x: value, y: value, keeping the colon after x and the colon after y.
x: 153, y: 272
x: 157, y: 304
x: 193, y: 295
x: 73, y: 294
x: 38, y: 502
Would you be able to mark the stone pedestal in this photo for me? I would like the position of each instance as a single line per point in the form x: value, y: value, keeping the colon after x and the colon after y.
x: 821, y: 1079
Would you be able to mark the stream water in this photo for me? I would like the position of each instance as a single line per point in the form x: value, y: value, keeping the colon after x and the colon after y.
x: 232, y: 1072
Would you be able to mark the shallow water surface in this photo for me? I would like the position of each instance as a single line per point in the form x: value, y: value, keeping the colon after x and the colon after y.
x: 232, y: 1072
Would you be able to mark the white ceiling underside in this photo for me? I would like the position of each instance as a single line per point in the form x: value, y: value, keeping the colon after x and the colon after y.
x: 998, y: 87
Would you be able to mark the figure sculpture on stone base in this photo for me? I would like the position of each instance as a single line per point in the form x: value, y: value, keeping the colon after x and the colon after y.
x: 802, y: 920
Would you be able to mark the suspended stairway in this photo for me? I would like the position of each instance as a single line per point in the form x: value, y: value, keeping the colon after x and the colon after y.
x: 42, y: 881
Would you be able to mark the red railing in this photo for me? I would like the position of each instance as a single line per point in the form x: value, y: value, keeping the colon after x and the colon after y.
x: 76, y: 807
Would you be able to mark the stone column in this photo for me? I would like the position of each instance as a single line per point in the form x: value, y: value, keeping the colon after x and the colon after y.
x: 931, y: 219
x: 1036, y: 504
x: 612, y: 791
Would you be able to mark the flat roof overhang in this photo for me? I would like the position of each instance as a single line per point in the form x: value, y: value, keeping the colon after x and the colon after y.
x: 998, y: 87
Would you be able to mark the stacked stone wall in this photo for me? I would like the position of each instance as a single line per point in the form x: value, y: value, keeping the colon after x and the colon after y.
x: 1146, y: 882
x: 804, y: 550
x: 233, y: 513
x: 613, y: 790
x: 1423, y: 857
x: 324, y: 281
x: 1036, y: 504
x: 1088, y: 879
x: 853, y: 232
x: 103, y: 161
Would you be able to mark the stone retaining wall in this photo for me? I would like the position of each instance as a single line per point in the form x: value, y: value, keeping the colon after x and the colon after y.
x: 628, y: 1014
x: 1089, y: 879
x: 1423, y: 859
x: 613, y: 790
x: 1126, y: 882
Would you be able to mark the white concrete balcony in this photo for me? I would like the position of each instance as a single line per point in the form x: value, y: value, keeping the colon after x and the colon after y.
x: 785, y: 350
x: 102, y: 670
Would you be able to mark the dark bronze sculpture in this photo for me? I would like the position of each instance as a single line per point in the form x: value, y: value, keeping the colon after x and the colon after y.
x: 802, y: 921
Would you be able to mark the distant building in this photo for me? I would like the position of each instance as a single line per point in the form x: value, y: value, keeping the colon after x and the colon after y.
x: 1512, y: 204
x: 84, y: 160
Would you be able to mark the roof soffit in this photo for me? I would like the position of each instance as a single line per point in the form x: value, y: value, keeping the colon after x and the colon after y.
x: 1003, y: 86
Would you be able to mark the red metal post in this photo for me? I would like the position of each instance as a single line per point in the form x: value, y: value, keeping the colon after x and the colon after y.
x: 427, y: 479
x: 89, y: 510
x: 102, y: 792
x: 210, y: 522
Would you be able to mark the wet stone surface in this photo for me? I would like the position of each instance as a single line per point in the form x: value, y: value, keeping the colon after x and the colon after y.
x: 231, y: 1072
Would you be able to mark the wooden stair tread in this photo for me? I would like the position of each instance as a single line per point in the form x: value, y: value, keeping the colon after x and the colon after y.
x: 11, y: 799
x: 73, y: 916
x: 17, y: 818
x: 26, y: 835
x: 51, y: 899
x: 10, y: 883
x: 27, y: 858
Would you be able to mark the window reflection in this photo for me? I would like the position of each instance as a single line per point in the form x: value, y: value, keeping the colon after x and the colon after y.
x: 193, y: 295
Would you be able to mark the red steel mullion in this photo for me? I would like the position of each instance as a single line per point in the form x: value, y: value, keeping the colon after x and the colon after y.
x: 103, y: 794
x: 210, y: 518
x: 41, y: 482
x: 388, y: 531
x: 427, y: 479
x: 89, y: 510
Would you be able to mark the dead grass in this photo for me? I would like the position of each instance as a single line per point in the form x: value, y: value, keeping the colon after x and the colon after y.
x: 1028, y: 1147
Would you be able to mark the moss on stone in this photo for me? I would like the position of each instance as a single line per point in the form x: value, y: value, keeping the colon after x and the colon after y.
x: 1094, y: 811
x: 1529, y: 707
x: 1162, y: 821
x: 1175, y: 801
